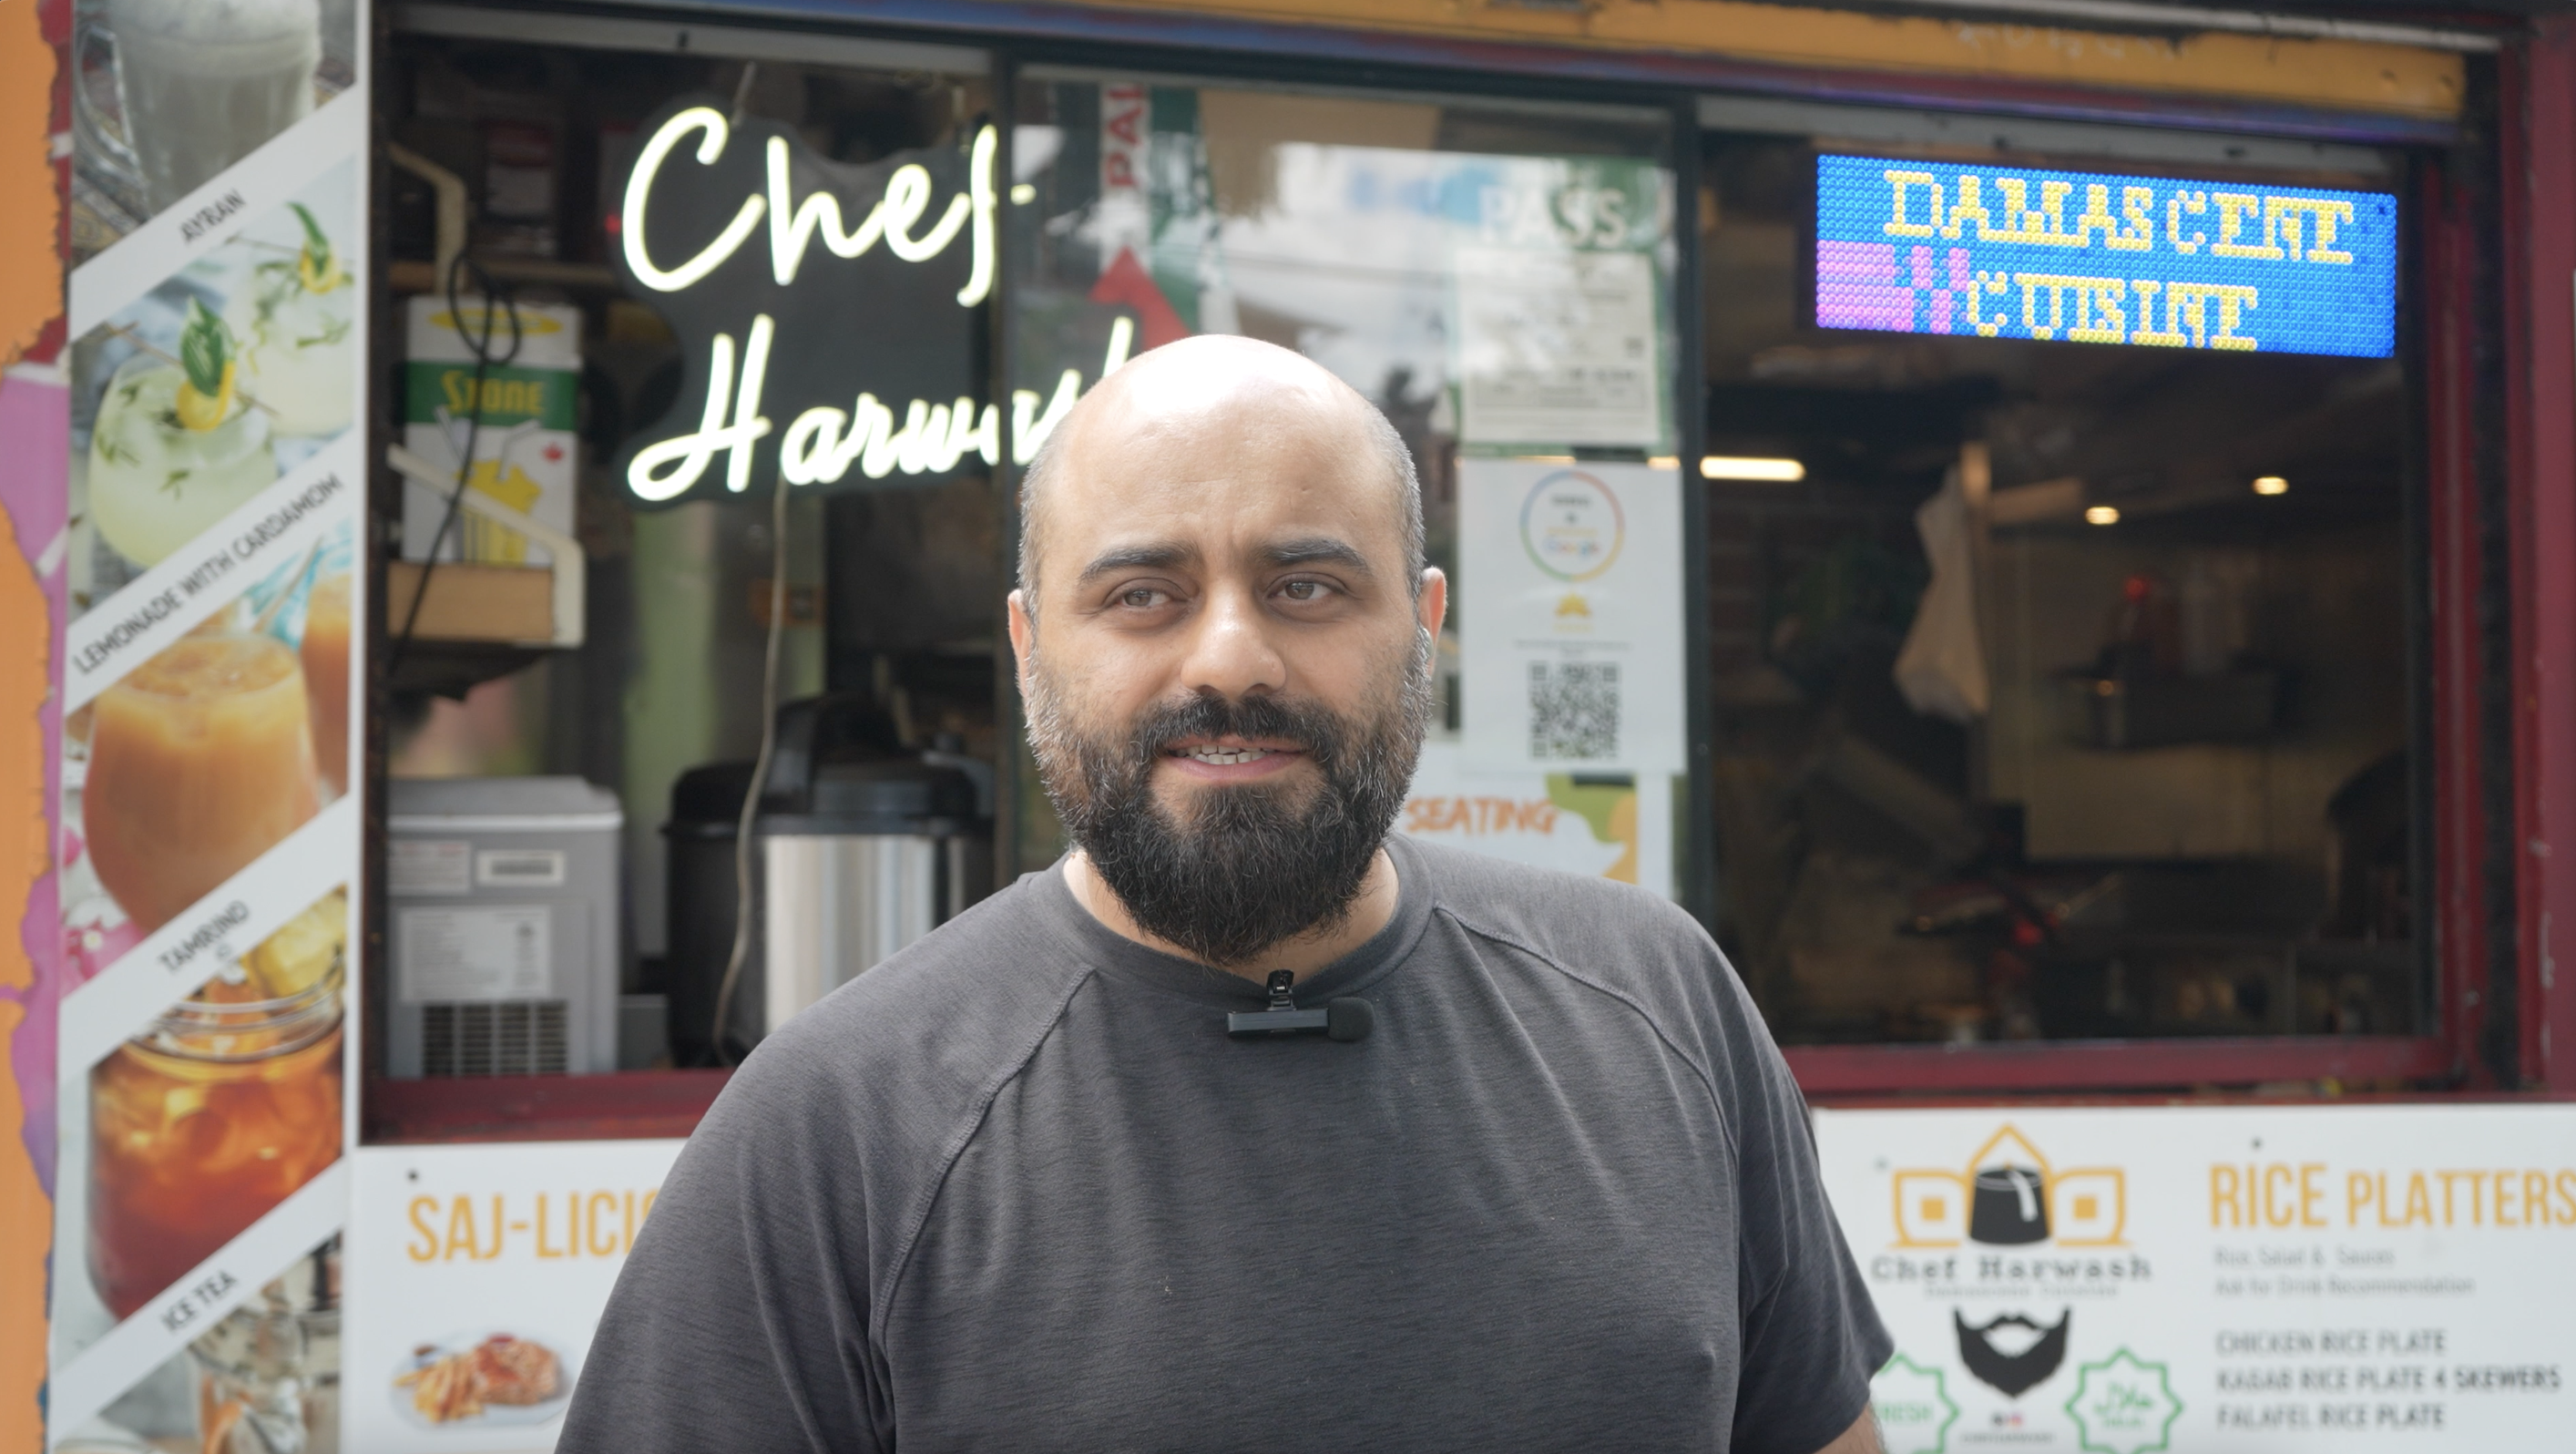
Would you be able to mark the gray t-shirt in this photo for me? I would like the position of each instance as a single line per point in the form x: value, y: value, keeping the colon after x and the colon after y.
x: 1015, y: 1189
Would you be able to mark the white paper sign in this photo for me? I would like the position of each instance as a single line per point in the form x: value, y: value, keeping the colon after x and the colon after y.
x: 1570, y: 617
x: 1558, y: 348
x: 506, y: 1248
x: 2233, y: 1280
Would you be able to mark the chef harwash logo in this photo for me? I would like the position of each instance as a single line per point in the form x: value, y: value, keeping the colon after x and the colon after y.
x: 2009, y: 1195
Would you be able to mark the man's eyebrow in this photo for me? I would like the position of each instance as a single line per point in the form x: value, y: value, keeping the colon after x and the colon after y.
x: 1314, y: 550
x: 1153, y: 555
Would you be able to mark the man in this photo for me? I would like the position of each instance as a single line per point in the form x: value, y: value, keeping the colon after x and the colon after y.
x: 1017, y: 1189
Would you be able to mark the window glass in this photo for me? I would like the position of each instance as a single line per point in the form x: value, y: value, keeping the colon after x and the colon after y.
x: 2062, y: 686
x: 1498, y: 280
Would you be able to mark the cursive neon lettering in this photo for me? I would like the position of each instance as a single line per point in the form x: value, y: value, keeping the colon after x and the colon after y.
x: 639, y: 190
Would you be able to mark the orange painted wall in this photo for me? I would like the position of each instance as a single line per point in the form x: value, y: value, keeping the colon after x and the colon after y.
x: 31, y: 304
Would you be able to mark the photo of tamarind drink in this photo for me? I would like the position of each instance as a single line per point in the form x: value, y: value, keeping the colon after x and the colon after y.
x: 325, y: 654
x: 219, y: 1110
x: 200, y: 761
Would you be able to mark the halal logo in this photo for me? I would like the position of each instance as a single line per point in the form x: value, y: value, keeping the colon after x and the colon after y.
x: 2009, y: 1196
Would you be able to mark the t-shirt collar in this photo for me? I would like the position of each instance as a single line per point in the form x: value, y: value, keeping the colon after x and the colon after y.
x: 1120, y: 957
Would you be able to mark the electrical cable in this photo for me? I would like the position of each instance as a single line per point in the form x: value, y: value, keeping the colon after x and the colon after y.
x: 480, y: 346
x: 741, y: 951
x: 759, y: 772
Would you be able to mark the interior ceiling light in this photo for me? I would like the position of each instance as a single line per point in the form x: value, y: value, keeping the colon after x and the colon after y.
x: 2102, y: 515
x: 1735, y: 467
x: 2271, y: 485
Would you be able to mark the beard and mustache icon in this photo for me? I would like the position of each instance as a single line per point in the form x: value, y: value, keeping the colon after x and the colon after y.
x: 2014, y: 1373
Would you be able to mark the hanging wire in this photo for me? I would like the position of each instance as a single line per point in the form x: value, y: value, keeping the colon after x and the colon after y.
x: 479, y: 344
x: 751, y: 796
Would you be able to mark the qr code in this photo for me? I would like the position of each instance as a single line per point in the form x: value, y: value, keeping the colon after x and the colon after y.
x: 1574, y: 709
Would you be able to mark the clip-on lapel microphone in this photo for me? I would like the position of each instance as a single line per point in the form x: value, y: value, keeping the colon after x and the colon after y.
x: 1345, y: 1019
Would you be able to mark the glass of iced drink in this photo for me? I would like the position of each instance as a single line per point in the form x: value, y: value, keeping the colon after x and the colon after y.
x: 199, y: 761
x: 155, y: 483
x: 325, y: 654
x: 217, y: 1112
x: 293, y: 319
x: 203, y: 82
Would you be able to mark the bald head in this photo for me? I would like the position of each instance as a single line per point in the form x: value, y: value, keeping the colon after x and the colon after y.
x: 1215, y: 402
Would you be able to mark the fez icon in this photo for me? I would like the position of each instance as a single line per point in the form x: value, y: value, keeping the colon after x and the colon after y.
x: 2008, y: 1195
x: 2009, y: 1206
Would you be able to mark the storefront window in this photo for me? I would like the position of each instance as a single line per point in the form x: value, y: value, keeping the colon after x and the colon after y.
x: 891, y: 602
x: 1498, y: 280
x: 2059, y: 620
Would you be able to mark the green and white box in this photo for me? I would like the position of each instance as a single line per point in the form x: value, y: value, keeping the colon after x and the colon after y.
x: 526, y: 453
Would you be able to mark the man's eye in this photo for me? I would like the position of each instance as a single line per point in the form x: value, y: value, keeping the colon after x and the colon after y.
x: 1140, y: 597
x: 1303, y: 590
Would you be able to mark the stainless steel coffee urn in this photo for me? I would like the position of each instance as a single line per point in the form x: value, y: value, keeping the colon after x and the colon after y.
x: 859, y: 848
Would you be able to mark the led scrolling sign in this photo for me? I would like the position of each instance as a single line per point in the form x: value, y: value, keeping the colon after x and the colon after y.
x: 870, y: 355
x: 1907, y: 246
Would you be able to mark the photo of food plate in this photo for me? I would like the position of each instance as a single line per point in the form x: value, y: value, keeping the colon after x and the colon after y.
x: 482, y: 1378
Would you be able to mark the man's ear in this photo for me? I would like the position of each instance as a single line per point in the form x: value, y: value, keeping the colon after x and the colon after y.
x: 1024, y: 635
x: 1434, y: 603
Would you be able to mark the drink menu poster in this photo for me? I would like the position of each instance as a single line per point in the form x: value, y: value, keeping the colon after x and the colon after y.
x: 208, y: 842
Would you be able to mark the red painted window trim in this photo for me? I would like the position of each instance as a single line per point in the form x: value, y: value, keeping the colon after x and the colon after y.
x: 2539, y: 233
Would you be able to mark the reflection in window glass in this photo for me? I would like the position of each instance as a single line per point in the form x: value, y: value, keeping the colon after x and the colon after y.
x: 1498, y: 281
x: 2061, y: 686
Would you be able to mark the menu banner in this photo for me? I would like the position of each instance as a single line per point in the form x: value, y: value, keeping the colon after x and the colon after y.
x: 2236, y: 1280
x: 212, y: 688
x: 482, y: 1272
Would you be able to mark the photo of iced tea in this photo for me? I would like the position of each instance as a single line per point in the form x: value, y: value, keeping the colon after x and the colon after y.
x: 217, y: 1111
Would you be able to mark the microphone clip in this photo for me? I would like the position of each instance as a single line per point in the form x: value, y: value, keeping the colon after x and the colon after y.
x: 1346, y: 1020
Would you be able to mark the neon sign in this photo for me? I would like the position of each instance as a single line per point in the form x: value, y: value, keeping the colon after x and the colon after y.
x: 1907, y: 246
x: 849, y: 350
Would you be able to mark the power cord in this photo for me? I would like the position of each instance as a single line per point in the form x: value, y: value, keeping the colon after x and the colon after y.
x: 759, y: 773
x: 479, y: 345
x: 741, y: 951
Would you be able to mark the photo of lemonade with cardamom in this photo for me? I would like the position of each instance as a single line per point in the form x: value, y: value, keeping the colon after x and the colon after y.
x: 294, y: 318
x: 178, y: 443
x: 218, y: 1110
x: 200, y: 760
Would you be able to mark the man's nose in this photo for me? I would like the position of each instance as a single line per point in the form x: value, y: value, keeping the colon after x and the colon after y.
x: 1231, y: 654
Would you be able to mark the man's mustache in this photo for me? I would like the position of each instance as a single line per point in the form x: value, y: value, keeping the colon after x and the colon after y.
x: 1307, y: 727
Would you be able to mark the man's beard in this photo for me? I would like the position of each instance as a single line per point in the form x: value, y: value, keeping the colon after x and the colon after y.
x: 1243, y: 867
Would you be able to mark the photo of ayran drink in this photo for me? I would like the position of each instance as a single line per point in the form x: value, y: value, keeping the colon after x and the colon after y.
x: 200, y: 760
x: 198, y: 84
x: 218, y: 1110
x: 293, y: 318
x: 178, y: 442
